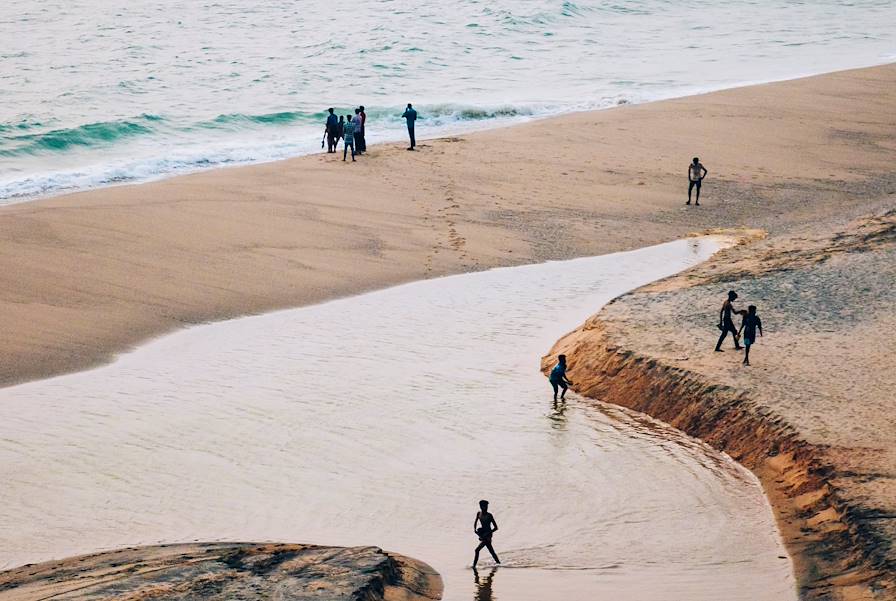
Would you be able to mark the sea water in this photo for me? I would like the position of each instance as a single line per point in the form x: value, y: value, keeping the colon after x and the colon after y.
x: 98, y: 92
x: 383, y: 419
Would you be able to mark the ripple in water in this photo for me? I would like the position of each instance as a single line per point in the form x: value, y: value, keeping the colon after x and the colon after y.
x: 381, y: 420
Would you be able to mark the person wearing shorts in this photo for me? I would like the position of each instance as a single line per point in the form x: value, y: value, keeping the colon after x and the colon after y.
x: 349, y: 139
x: 750, y: 324
x: 726, y: 323
x: 558, y: 378
x: 485, y: 527
x: 696, y: 173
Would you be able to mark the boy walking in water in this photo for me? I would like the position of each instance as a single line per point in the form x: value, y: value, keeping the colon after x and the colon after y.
x: 558, y: 377
x: 748, y: 328
x: 484, y: 526
x: 726, y: 324
x: 696, y: 173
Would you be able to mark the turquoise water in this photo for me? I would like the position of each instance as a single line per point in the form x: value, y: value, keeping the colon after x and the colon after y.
x: 100, y: 92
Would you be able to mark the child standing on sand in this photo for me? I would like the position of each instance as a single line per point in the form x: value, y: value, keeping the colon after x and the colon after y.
x: 558, y: 377
x: 748, y: 328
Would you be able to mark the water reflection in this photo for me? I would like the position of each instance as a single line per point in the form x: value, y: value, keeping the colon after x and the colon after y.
x: 483, y: 591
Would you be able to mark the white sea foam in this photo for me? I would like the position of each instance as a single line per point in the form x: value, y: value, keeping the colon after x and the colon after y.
x: 144, y: 89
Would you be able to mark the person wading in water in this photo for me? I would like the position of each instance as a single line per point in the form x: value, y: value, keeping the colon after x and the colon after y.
x: 484, y: 526
x: 726, y: 324
x: 558, y: 378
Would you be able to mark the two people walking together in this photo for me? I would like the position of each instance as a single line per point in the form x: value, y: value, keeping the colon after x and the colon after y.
x: 750, y: 324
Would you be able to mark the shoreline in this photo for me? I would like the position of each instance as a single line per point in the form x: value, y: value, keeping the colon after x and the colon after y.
x: 89, y: 275
x: 831, y: 508
x: 444, y: 132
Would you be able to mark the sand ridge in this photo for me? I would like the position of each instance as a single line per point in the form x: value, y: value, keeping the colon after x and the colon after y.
x: 812, y: 415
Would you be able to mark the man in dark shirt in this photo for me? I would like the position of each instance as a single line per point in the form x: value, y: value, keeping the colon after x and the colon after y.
x: 363, y: 116
x: 332, y: 131
x: 411, y: 116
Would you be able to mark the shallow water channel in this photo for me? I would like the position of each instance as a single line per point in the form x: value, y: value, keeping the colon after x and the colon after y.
x: 382, y: 419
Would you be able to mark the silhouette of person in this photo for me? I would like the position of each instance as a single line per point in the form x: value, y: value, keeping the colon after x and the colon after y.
x: 411, y: 116
x: 484, y: 585
x: 748, y: 327
x: 486, y: 528
x: 558, y: 377
x: 359, y: 131
x: 726, y: 324
x: 340, y: 133
x: 696, y: 173
x: 363, y: 114
x: 348, y: 131
x: 332, y: 130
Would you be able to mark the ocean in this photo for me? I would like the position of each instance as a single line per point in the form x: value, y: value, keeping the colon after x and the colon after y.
x: 96, y: 93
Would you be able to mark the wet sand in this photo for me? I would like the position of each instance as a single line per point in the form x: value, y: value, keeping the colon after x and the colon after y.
x: 226, y: 571
x: 88, y: 275
x: 383, y: 419
x: 812, y: 415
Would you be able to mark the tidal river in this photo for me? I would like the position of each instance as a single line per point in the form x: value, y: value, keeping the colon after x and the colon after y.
x: 382, y: 419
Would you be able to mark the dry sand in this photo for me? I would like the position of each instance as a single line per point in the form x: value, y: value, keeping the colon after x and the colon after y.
x: 813, y: 415
x: 88, y: 275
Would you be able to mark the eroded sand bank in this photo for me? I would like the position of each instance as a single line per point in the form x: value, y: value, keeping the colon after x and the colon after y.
x: 88, y: 275
x: 812, y: 416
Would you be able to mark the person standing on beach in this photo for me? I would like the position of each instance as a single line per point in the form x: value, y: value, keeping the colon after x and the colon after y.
x: 726, y: 324
x: 484, y: 526
x: 558, y: 378
x: 332, y: 131
x: 748, y: 328
x: 359, y: 131
x: 411, y: 116
x: 363, y: 115
x: 696, y: 173
x: 349, y: 140
x: 340, y: 133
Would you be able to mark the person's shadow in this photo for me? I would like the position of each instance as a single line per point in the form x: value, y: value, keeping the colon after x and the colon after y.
x: 484, y: 585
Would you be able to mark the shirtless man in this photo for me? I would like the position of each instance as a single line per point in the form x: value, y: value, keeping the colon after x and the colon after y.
x: 487, y: 527
x: 726, y: 323
x: 696, y: 173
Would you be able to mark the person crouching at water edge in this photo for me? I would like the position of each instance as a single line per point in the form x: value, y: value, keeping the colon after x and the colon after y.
x: 558, y: 377
x: 349, y: 137
x: 484, y: 526
x: 748, y: 328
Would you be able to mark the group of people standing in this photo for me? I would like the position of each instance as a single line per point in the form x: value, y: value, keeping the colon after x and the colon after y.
x: 351, y: 129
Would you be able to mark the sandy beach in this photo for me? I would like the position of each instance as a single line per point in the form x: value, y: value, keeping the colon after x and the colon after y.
x: 812, y: 415
x: 806, y: 166
x: 88, y: 275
